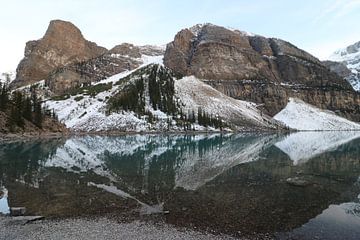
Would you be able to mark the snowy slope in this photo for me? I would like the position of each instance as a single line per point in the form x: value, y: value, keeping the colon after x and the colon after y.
x: 88, y: 113
x: 350, y: 56
x: 303, y: 146
x: 194, y: 93
x: 302, y: 116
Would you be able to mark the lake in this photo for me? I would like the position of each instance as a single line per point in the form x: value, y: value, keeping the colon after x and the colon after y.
x: 299, y: 185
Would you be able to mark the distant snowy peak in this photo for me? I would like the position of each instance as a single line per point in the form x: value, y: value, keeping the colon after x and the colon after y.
x: 303, y: 116
x: 350, y: 56
x: 346, y: 54
x: 7, y: 76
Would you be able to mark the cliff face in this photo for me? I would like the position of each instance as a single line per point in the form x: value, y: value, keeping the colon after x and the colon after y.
x: 264, y: 70
x: 123, y: 57
x: 62, y: 44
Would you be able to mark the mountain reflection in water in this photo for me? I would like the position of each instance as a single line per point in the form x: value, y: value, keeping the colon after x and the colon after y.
x: 287, y: 185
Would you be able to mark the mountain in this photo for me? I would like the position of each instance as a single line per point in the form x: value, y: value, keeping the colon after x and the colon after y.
x: 62, y: 44
x: 208, y: 78
x: 153, y: 98
x: 350, y: 57
x: 124, y: 57
x: 66, y: 60
x: 263, y: 70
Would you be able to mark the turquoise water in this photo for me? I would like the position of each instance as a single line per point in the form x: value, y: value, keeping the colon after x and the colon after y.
x: 297, y: 185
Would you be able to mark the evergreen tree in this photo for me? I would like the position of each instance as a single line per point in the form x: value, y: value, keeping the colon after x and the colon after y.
x: 4, y: 96
x: 27, y: 109
x: 38, y: 114
x: 17, y: 109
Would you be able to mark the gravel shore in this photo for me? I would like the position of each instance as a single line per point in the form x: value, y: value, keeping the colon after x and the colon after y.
x: 102, y: 228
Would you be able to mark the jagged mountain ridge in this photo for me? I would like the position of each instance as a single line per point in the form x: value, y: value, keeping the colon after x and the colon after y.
x: 263, y: 70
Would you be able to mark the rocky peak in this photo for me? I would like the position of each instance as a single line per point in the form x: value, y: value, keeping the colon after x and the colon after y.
x: 264, y: 70
x: 62, y: 44
x: 126, y: 49
x: 213, y: 52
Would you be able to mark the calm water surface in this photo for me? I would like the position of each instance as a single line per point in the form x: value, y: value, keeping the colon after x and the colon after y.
x: 298, y: 186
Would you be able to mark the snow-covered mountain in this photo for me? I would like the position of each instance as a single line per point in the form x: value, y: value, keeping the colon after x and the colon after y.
x: 84, y: 111
x: 350, y: 56
x: 302, y: 116
x: 195, y: 83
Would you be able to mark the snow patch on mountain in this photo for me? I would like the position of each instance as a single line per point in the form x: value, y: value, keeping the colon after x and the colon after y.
x: 89, y: 113
x: 195, y: 94
x: 350, y: 56
x: 302, y: 116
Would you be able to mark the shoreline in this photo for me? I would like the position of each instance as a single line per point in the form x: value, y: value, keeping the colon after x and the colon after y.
x: 99, y: 227
x: 13, y: 137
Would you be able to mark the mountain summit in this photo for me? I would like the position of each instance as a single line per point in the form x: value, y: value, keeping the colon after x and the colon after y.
x: 266, y: 71
x: 63, y: 43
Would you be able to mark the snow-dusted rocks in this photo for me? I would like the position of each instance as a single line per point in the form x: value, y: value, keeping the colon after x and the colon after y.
x: 350, y: 56
x: 302, y: 116
x: 195, y: 94
x: 89, y: 113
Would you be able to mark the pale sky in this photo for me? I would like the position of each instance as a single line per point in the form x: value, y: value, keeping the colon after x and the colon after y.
x: 317, y: 26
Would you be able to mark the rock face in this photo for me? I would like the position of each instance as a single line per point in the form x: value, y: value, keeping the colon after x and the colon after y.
x: 66, y: 60
x: 267, y: 71
x: 350, y: 57
x: 62, y: 44
x: 123, y: 57
x: 338, y: 67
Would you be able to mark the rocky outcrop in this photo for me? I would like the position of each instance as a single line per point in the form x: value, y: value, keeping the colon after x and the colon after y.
x: 265, y: 70
x: 74, y: 75
x: 62, y: 44
x: 123, y: 57
x: 338, y: 67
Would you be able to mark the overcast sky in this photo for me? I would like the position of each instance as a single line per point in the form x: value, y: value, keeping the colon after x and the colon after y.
x: 318, y: 26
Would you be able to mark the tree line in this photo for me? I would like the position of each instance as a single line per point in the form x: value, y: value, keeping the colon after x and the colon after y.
x: 19, y: 107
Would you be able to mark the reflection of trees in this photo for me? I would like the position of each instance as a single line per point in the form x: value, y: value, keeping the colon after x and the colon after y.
x: 230, y: 194
x: 23, y: 160
x: 151, y: 168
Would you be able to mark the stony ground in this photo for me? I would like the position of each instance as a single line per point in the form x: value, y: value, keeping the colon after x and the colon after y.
x: 102, y: 228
